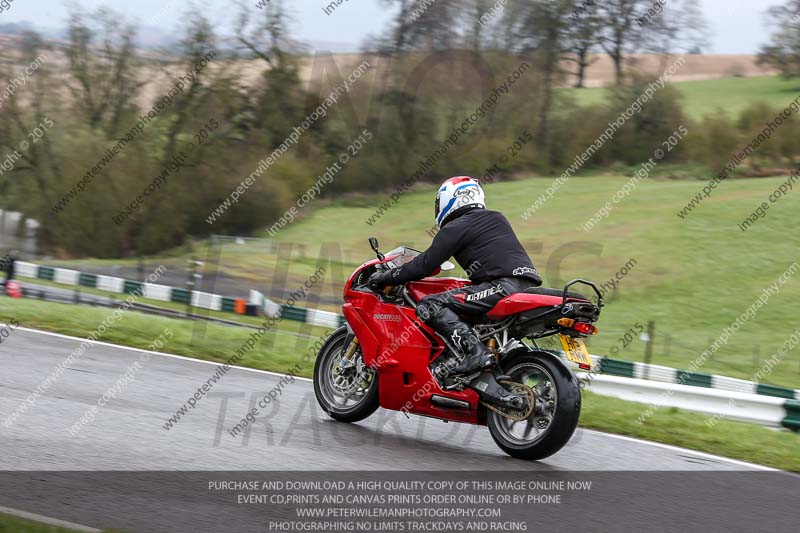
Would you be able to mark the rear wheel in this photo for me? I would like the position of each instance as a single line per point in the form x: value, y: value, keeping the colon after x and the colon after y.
x: 346, y: 390
x: 556, y: 412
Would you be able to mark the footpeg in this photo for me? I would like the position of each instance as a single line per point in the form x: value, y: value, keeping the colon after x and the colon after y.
x: 460, y: 382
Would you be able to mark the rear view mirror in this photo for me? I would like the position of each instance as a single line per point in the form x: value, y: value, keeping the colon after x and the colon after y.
x: 373, y: 243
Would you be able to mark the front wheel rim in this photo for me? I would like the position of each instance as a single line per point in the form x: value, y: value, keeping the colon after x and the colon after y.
x: 346, y: 390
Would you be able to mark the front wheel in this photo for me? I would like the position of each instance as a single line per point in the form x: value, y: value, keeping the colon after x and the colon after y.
x: 345, y: 388
x: 555, y: 414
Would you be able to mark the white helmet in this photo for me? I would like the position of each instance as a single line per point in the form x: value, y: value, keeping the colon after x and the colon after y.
x: 455, y: 194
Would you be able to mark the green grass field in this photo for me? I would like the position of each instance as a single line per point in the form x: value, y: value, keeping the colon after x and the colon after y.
x: 282, y: 348
x: 693, y: 277
x: 704, y: 97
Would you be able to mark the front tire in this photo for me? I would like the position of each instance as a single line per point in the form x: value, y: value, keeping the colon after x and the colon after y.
x: 346, y: 395
x: 558, y: 408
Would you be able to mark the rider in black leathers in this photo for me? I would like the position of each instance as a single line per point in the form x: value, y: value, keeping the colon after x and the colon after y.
x: 484, y: 244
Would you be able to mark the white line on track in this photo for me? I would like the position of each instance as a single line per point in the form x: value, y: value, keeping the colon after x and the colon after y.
x: 200, y: 361
x: 33, y: 517
x: 684, y: 450
x: 141, y: 350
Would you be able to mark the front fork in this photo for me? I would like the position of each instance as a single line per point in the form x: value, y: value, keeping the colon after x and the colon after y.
x: 351, y: 344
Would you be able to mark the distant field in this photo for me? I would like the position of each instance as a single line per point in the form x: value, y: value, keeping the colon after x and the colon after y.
x: 692, y: 277
x: 704, y: 97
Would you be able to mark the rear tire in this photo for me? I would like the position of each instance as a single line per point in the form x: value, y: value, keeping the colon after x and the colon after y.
x: 346, y: 397
x: 558, y: 399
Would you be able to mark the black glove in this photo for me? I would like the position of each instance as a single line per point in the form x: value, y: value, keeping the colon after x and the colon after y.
x: 379, y: 280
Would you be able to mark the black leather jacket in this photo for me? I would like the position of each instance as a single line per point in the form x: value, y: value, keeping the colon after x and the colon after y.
x: 482, y: 242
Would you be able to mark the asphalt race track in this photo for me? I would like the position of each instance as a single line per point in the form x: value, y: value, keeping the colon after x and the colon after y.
x: 128, y: 433
x: 292, y: 434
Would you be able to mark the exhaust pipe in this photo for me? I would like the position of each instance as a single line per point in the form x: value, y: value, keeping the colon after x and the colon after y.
x: 448, y: 403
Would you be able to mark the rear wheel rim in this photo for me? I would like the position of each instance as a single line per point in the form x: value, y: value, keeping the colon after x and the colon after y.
x: 346, y: 390
x: 526, y: 432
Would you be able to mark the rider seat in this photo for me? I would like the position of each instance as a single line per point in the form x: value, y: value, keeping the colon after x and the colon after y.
x: 532, y: 298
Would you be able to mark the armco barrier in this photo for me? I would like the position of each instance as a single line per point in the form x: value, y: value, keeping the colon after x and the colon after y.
x: 164, y: 293
x: 765, y: 410
x: 792, y: 420
x: 672, y: 375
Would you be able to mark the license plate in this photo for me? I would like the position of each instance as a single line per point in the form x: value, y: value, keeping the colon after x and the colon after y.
x: 576, y: 351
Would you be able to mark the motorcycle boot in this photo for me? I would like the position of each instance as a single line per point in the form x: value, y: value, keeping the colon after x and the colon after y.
x: 476, y: 356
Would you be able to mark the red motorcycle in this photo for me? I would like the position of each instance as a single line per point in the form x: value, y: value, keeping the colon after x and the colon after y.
x: 386, y: 357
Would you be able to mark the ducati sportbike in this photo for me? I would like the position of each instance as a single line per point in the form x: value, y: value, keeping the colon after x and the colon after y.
x: 385, y: 356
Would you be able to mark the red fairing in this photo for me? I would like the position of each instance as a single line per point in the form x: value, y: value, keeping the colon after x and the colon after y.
x: 401, y: 348
x: 520, y: 302
x: 428, y: 286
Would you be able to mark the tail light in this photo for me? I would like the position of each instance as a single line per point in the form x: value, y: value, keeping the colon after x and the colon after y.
x: 586, y: 329
x: 580, y: 327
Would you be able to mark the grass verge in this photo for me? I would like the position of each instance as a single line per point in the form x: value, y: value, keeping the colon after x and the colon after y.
x: 669, y: 425
x: 278, y: 350
x: 13, y: 524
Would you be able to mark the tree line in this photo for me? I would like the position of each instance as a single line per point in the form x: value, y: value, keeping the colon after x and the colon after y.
x: 429, y: 75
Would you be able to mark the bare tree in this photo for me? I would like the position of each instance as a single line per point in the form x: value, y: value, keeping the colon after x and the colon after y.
x: 783, y: 50
x: 266, y: 35
x: 541, y: 28
x: 422, y: 24
x: 584, y: 35
x: 633, y: 25
x: 101, y: 57
x: 678, y: 28
x: 622, y: 31
x: 37, y: 167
